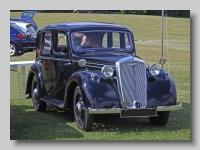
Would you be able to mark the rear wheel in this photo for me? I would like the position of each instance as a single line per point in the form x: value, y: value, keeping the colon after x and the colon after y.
x: 83, y: 119
x: 37, y: 104
x: 13, y: 49
x: 161, y: 119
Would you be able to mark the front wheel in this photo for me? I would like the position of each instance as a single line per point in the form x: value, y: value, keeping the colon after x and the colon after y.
x: 83, y: 119
x: 161, y: 119
x: 37, y: 104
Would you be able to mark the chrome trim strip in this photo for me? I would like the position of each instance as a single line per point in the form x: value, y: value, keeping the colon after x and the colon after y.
x: 94, y: 66
x: 169, y: 108
x: 91, y: 63
x: 61, y: 59
x: 117, y: 110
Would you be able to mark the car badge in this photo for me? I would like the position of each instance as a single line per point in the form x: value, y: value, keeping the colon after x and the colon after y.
x: 125, y: 103
x: 133, y: 64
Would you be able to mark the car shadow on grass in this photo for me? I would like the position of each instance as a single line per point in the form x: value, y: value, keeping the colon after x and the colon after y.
x: 179, y: 119
x: 28, y: 124
x: 54, y: 124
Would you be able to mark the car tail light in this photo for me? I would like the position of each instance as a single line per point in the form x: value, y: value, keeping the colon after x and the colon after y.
x: 21, y: 36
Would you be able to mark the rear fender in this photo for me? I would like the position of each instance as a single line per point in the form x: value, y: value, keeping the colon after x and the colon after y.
x: 35, y: 71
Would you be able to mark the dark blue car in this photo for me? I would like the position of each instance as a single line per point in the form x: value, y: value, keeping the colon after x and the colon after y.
x: 27, y: 16
x: 20, y: 40
x: 99, y: 74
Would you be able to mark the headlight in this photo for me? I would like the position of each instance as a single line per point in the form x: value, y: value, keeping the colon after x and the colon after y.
x: 154, y: 69
x: 107, y: 71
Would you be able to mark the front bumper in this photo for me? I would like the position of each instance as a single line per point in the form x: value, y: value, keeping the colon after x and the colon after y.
x: 135, y: 112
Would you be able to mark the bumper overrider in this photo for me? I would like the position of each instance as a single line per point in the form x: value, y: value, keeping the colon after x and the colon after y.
x: 135, y: 112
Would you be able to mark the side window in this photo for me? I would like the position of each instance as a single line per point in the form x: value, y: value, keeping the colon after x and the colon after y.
x: 39, y: 45
x: 62, y: 39
x: 104, y: 42
x: 47, y: 43
x: 127, y: 41
x: 61, y: 46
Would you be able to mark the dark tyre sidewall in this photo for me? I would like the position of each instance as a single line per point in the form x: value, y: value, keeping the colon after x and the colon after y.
x: 87, y: 121
x: 161, y: 119
x: 37, y: 104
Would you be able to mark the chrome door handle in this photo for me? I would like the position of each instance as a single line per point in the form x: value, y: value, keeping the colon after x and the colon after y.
x: 67, y: 64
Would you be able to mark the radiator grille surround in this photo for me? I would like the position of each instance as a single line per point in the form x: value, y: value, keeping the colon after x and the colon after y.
x: 132, y: 82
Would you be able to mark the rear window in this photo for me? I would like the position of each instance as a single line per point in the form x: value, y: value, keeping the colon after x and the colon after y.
x: 18, y: 28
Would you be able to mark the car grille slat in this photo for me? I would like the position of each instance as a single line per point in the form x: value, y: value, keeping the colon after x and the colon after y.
x: 132, y: 82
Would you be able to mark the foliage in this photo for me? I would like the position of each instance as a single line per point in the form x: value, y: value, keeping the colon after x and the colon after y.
x: 170, y: 13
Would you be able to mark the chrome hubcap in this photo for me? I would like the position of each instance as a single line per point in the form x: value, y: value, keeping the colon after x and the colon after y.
x: 35, y: 93
x: 79, y: 108
x: 12, y: 49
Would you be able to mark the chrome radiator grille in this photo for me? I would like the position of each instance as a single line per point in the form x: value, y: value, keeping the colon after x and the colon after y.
x: 132, y: 82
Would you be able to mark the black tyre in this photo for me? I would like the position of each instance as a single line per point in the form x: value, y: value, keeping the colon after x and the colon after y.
x: 13, y: 49
x: 161, y: 119
x: 83, y: 119
x: 37, y: 104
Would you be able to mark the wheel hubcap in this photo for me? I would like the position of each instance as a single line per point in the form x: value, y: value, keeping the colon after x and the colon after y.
x: 79, y: 108
x: 12, y: 49
x: 35, y: 93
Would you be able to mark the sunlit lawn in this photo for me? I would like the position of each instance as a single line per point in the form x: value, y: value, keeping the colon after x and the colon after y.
x: 27, y: 124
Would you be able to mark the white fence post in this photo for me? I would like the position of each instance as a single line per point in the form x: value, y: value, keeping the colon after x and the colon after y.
x: 22, y: 64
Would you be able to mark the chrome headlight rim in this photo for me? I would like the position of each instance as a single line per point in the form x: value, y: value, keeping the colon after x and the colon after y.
x: 107, y: 71
x: 154, y: 69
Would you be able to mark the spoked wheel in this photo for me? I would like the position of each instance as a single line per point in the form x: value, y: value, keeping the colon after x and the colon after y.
x: 37, y: 104
x: 13, y: 49
x: 83, y: 119
x: 161, y: 119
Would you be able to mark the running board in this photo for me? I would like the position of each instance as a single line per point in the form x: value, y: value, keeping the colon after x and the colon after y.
x: 54, y: 102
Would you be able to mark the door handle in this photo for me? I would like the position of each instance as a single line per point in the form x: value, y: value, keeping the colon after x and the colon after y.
x: 67, y: 64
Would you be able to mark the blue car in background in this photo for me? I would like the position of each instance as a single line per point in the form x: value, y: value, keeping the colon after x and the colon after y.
x: 20, y: 40
x: 27, y: 16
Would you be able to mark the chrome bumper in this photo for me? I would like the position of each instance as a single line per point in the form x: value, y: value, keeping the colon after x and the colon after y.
x: 119, y: 110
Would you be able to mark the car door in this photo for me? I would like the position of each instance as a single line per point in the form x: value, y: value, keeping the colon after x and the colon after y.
x: 43, y: 57
x: 61, y: 64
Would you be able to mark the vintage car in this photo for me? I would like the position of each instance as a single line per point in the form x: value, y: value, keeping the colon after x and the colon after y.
x: 92, y: 68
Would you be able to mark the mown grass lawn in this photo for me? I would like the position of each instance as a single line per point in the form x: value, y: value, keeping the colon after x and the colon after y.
x: 27, y: 124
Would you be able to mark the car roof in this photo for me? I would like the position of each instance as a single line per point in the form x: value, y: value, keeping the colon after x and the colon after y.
x: 86, y: 25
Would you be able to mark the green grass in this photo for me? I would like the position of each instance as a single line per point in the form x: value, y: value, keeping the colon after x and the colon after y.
x: 25, y: 123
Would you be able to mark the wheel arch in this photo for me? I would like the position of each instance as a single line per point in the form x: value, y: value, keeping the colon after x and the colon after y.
x: 35, y: 71
x: 96, y: 94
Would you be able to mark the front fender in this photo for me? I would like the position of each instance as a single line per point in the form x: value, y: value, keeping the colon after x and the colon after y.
x: 161, y: 90
x: 96, y: 92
